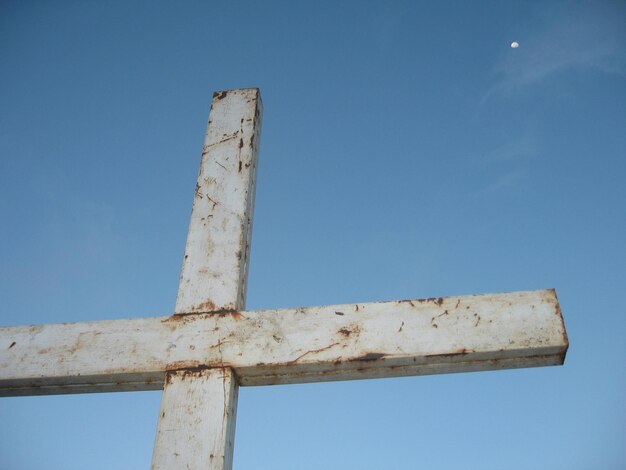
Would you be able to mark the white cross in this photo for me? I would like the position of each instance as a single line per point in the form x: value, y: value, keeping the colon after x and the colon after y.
x: 211, y: 345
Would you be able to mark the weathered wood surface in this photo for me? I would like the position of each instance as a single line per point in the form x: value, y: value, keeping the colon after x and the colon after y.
x: 196, y: 420
x: 211, y: 345
x: 353, y: 341
x: 215, y: 265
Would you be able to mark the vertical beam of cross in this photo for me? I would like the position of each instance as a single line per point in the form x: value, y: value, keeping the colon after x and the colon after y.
x: 198, y: 407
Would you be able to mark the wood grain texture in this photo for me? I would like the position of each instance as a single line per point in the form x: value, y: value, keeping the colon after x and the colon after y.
x: 196, y: 424
x: 196, y: 421
x: 341, y: 342
x: 215, y: 265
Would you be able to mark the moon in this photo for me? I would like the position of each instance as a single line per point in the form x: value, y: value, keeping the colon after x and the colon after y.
x: 514, y: 45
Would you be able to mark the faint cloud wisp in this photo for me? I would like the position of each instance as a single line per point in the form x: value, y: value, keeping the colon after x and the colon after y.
x: 506, y: 180
x: 509, y: 162
x: 514, y: 150
x: 592, y: 37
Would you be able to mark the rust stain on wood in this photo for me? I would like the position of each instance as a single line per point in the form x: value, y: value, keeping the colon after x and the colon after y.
x: 236, y: 315
x: 345, y: 332
x: 206, y: 306
x: 218, y: 95
x: 458, y: 352
x: 368, y: 357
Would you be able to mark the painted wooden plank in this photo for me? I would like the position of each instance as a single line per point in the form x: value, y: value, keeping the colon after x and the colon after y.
x: 385, y: 339
x: 199, y: 431
x: 196, y: 421
x: 215, y: 265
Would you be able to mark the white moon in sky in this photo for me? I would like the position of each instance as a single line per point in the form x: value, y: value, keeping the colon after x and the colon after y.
x: 515, y: 44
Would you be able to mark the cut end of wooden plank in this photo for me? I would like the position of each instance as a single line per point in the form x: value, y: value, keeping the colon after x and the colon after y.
x: 559, y: 314
x: 220, y: 94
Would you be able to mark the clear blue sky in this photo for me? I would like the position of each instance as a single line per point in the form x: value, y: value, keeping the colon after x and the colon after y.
x: 407, y: 152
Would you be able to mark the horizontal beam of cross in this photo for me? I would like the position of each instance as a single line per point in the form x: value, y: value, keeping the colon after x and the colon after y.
x: 354, y: 341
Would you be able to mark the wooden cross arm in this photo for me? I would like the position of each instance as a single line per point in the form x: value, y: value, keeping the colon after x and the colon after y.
x: 354, y: 341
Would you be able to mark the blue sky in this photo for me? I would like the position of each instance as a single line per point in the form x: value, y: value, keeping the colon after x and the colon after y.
x: 407, y: 151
